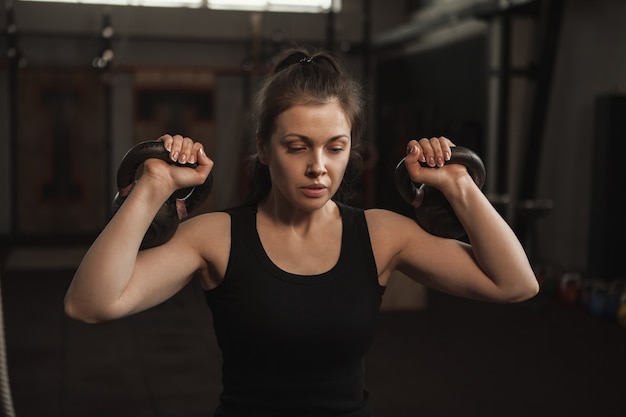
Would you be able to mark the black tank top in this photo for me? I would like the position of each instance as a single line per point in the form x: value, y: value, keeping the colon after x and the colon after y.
x: 294, y: 345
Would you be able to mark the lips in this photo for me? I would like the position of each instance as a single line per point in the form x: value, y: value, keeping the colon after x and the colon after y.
x: 314, y: 190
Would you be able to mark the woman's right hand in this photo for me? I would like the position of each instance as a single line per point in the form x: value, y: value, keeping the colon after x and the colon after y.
x: 183, y: 151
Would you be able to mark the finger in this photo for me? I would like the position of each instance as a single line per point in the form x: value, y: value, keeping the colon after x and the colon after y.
x: 203, y: 159
x: 429, y: 153
x: 446, y: 145
x: 167, y: 141
x: 195, y: 149
x: 181, y: 209
x: 414, y: 152
x: 437, y: 151
x: 412, y: 147
x: 185, y: 150
x: 177, y: 145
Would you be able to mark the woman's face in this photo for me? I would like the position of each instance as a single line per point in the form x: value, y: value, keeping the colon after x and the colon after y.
x: 307, y: 154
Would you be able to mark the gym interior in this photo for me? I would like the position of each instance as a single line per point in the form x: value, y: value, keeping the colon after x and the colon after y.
x: 537, y: 88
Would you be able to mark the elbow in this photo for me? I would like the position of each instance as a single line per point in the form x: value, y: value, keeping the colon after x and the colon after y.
x: 73, y: 311
x: 76, y: 314
x: 532, y: 289
x: 535, y: 289
x: 524, y: 293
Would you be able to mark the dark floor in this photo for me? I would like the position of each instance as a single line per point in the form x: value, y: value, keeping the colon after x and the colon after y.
x: 455, y: 358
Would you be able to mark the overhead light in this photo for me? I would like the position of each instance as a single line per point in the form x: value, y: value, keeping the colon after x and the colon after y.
x: 306, y: 6
x: 295, y: 6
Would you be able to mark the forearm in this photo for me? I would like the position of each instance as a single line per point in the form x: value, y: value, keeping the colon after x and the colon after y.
x: 495, y: 246
x: 108, y: 265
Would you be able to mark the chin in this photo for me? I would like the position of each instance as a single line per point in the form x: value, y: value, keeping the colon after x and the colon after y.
x: 312, y: 204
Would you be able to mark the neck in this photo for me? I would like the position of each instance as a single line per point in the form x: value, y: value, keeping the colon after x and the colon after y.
x: 282, y: 213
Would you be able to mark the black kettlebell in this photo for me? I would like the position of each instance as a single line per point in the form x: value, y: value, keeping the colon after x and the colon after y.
x: 435, y: 214
x: 166, y: 221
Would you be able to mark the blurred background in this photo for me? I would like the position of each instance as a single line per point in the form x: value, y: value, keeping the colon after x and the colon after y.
x: 536, y: 87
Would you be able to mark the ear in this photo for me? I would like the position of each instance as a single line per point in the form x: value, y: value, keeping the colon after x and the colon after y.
x: 261, y: 151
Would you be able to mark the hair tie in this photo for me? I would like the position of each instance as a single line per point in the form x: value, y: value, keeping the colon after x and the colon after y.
x: 306, y: 60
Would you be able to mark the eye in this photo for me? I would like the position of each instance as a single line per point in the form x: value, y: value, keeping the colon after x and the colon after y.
x: 296, y: 148
x: 336, y: 149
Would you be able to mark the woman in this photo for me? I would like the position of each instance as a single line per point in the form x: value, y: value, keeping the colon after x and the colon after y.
x: 293, y: 277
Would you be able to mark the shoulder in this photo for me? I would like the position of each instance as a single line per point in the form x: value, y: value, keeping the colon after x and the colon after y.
x: 207, y: 229
x: 208, y: 235
x: 391, y: 232
x: 389, y: 228
x: 216, y: 219
x: 377, y: 218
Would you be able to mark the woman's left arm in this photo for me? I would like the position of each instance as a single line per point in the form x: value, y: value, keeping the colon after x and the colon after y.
x: 493, y: 267
x: 494, y: 245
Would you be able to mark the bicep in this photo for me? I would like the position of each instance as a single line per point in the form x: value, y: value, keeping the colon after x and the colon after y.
x: 162, y: 271
x: 445, y: 265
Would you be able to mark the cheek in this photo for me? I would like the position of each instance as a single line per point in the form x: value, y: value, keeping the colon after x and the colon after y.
x: 337, y: 171
x: 281, y: 168
x: 343, y: 162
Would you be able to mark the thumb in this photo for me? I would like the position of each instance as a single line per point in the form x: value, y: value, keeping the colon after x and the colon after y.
x: 203, y: 160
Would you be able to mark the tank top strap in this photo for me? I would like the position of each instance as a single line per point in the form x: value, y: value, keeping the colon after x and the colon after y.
x: 357, y: 248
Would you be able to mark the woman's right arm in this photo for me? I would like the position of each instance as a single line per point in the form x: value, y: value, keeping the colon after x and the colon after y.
x: 115, y: 279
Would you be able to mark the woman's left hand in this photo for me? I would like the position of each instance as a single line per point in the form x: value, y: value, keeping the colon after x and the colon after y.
x: 426, y: 163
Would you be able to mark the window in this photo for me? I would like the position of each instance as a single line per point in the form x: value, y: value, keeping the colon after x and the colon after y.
x: 298, y: 6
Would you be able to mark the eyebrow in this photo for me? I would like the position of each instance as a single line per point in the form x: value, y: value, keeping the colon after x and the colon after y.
x: 308, y: 139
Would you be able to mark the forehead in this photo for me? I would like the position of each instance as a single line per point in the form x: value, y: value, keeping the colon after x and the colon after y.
x: 328, y: 119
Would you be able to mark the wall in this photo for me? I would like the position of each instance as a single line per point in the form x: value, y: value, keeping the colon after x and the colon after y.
x: 163, y: 38
x: 591, y: 61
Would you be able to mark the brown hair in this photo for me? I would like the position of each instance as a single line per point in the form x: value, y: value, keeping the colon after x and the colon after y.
x: 300, y: 77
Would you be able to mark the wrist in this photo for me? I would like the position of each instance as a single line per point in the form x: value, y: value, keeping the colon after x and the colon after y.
x: 151, y: 192
x: 459, y: 189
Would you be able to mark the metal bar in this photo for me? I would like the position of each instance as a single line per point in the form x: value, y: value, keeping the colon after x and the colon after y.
x: 549, y: 29
x: 451, y: 14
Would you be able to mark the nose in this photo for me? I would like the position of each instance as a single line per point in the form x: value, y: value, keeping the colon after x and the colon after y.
x: 316, y: 166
